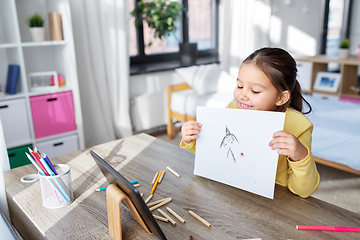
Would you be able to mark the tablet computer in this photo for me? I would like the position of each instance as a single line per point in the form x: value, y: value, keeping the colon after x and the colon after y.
x: 114, y: 177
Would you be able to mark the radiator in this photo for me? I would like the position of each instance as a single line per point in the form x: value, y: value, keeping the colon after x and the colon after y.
x: 148, y: 111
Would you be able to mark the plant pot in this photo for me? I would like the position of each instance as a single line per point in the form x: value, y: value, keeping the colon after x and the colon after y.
x: 343, y: 53
x: 188, y: 53
x: 38, y: 34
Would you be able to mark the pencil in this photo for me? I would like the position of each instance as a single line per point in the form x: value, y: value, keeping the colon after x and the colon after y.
x: 175, y: 215
x: 158, y: 201
x: 100, y: 189
x: 199, y: 218
x: 160, y: 218
x: 160, y: 204
x: 167, y: 216
x: 328, y: 228
x: 191, y: 237
x: 173, y: 172
x: 162, y: 175
x: 136, y: 184
x: 155, y: 183
x: 149, y: 198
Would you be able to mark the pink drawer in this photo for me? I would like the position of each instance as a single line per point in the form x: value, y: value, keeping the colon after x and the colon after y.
x: 53, y: 114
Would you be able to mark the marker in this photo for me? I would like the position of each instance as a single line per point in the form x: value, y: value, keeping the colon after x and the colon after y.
x: 328, y: 228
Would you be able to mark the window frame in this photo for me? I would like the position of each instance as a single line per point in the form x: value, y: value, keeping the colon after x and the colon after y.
x: 141, y: 59
x: 345, y: 29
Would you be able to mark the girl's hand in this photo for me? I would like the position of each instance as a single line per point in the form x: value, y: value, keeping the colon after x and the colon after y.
x: 190, y: 131
x: 288, y: 145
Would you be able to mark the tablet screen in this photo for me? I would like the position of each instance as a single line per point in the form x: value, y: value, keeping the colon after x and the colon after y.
x: 114, y: 177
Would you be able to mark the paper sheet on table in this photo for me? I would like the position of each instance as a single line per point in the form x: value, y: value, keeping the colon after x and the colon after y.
x: 233, y: 148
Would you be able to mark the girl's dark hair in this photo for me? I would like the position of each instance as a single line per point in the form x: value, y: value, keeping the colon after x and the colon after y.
x: 280, y: 67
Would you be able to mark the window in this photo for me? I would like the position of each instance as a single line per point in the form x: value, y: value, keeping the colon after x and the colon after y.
x: 201, y: 26
x: 336, y: 25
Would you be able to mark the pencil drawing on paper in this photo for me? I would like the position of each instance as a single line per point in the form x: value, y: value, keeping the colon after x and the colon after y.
x: 228, y: 141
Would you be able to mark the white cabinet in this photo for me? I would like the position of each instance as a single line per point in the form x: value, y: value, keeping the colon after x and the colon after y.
x: 17, y: 47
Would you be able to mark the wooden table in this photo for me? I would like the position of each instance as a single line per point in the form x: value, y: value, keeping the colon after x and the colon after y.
x: 233, y: 213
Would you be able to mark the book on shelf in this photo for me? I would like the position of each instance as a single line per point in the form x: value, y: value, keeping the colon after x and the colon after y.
x: 12, y: 78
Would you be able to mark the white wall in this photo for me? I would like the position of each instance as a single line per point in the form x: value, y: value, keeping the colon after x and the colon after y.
x: 296, y: 25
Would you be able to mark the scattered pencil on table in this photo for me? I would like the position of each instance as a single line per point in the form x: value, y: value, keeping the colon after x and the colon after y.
x: 160, y: 204
x: 173, y: 172
x: 175, y: 215
x: 141, y: 194
x: 191, y: 237
x: 148, y: 198
x: 136, y: 185
x: 153, y: 181
x: 199, y: 218
x: 158, y: 201
x: 100, y: 189
x: 104, y: 188
x: 328, y: 228
x: 167, y: 216
x: 161, y: 218
x: 162, y: 175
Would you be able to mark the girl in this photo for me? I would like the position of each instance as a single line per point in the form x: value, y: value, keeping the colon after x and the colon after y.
x: 267, y: 81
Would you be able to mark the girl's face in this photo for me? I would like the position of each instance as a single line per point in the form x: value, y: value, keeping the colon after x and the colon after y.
x: 255, y: 91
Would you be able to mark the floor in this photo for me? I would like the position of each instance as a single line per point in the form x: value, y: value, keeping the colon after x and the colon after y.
x: 337, y: 187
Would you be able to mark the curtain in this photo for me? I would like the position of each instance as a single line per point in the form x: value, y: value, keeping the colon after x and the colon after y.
x: 244, y: 27
x: 100, y: 29
x: 4, y: 166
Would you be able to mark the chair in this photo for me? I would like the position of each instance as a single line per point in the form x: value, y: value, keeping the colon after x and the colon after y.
x: 205, y: 85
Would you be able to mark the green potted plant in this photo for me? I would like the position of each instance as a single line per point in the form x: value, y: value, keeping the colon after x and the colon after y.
x: 36, y: 26
x: 344, y: 49
x: 163, y: 16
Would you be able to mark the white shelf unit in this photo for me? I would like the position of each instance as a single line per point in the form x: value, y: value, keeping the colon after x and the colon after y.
x: 16, y: 47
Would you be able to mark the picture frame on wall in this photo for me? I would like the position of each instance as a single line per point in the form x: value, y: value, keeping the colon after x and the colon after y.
x: 328, y: 82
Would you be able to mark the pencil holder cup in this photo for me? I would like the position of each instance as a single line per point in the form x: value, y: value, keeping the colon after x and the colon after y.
x: 56, y: 190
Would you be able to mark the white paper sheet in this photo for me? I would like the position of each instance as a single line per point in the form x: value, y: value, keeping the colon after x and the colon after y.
x: 233, y: 148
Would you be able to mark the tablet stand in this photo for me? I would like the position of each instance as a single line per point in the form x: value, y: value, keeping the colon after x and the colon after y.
x: 114, y: 196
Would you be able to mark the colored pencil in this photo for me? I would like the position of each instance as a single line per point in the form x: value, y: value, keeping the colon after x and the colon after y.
x: 155, y: 183
x: 191, y: 237
x: 100, y: 189
x: 156, y: 202
x: 160, y: 218
x: 162, y: 175
x: 54, y: 189
x: 160, y: 204
x: 57, y: 184
x: 136, y: 185
x: 167, y: 216
x: 37, y: 159
x: 199, y: 218
x: 175, y: 215
x: 328, y: 228
x: 173, y: 172
x: 149, y: 198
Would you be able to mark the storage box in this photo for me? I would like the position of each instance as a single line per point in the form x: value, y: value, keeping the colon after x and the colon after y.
x: 15, y: 122
x: 43, y: 81
x: 59, y: 146
x: 53, y: 114
x: 17, y: 156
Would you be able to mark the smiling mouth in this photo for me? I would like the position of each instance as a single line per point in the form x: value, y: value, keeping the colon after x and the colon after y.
x: 245, y: 106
